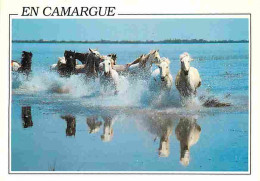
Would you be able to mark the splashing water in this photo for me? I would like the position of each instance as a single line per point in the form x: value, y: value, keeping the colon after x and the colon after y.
x: 133, y: 93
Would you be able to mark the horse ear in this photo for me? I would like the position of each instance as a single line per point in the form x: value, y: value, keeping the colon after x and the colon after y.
x: 90, y: 50
x: 114, y: 55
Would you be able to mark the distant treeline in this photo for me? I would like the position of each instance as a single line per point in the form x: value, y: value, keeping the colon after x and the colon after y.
x: 133, y: 41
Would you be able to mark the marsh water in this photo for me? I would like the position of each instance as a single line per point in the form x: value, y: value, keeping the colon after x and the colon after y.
x: 84, y: 129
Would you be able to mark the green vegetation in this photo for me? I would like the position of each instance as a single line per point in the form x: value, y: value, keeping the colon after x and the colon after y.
x: 173, y: 41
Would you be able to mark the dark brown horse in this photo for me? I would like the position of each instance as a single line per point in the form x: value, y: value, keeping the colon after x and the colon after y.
x: 69, y: 67
x: 26, y: 63
x: 92, y: 64
x: 82, y: 57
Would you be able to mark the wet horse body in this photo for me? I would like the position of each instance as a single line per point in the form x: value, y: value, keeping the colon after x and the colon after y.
x: 66, y: 65
x: 142, y: 66
x: 161, y: 78
x: 109, y: 77
x: 188, y: 79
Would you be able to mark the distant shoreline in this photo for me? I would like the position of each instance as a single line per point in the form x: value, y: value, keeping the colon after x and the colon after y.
x: 175, y: 41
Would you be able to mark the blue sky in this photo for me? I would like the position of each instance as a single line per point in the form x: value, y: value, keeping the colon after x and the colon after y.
x: 129, y: 29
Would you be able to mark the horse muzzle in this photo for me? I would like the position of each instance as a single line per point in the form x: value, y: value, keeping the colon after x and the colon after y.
x: 106, y: 73
x: 162, y: 78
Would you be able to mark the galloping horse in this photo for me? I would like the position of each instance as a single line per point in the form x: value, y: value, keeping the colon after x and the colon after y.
x: 66, y: 65
x: 25, y: 65
x: 141, y: 66
x: 161, y: 77
x: 188, y: 79
x: 92, y: 64
x: 109, y: 76
x: 144, y: 62
x: 70, y: 62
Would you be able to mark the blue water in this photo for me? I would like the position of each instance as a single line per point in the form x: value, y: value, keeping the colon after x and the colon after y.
x: 139, y: 119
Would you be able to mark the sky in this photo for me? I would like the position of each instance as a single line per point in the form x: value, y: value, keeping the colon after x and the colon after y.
x: 130, y: 29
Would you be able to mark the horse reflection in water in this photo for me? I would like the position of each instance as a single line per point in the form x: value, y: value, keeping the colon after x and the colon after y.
x: 27, y: 117
x: 71, y: 125
x: 188, y: 133
x: 93, y: 124
x: 108, y: 131
x: 161, y: 126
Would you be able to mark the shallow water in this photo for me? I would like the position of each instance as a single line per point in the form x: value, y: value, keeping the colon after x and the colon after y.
x: 57, y: 135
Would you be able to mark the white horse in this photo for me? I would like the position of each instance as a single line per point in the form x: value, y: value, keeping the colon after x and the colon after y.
x: 161, y: 77
x: 109, y: 77
x: 188, y: 79
x: 143, y: 64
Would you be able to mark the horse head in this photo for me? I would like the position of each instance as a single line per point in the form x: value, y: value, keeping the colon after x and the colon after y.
x: 26, y: 62
x: 164, y: 68
x: 107, y: 65
x: 27, y: 54
x: 94, y: 59
x: 113, y: 57
x: 185, y: 60
x: 154, y: 56
x: 69, y: 54
x: 70, y: 60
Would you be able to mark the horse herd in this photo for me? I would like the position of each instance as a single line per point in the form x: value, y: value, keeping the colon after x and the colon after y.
x: 93, y: 65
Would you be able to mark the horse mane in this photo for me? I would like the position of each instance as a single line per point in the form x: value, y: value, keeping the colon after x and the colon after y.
x: 185, y: 54
x: 164, y: 59
x: 145, y: 58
